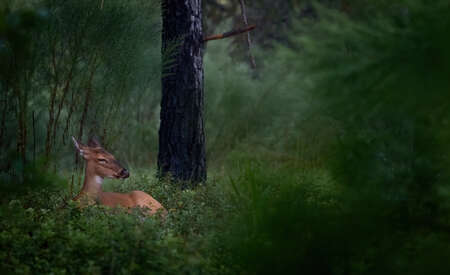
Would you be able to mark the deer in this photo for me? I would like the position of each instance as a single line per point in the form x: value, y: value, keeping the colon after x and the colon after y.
x: 101, y: 164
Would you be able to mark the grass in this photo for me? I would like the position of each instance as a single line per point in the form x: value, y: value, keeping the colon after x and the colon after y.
x: 198, y: 236
x: 267, y: 215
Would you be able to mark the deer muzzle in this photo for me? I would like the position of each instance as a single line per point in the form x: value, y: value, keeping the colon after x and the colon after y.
x: 124, y: 174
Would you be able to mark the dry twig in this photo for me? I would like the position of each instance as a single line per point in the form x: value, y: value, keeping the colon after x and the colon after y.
x: 228, y: 34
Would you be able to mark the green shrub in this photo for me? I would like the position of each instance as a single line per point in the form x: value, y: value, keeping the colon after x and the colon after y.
x: 286, y: 222
x: 38, y: 238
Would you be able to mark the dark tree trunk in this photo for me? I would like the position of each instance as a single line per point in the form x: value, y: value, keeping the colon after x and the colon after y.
x: 181, y: 133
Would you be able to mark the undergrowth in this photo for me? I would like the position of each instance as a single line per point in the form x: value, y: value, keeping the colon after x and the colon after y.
x: 264, y: 217
x: 42, y: 234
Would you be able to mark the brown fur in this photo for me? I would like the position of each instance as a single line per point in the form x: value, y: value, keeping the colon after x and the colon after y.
x: 99, y: 165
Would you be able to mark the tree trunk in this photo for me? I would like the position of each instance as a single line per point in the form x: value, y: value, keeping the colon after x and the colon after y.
x: 181, y: 134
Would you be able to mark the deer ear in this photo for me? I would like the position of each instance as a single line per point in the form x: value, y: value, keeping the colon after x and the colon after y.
x: 93, y: 142
x: 78, y: 146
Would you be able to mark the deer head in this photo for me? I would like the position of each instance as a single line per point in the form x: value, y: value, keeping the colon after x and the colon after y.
x: 102, y: 163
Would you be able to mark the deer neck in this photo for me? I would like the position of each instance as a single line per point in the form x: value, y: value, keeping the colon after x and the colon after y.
x: 92, y: 186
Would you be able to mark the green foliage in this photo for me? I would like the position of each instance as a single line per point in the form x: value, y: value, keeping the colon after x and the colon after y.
x: 245, y: 113
x: 372, y: 90
x: 385, y: 79
x: 16, y: 28
x: 114, y: 54
x: 291, y: 222
x: 266, y: 219
x: 331, y: 161
x: 22, y: 180
x: 38, y: 238
x: 94, y: 241
x: 88, y: 70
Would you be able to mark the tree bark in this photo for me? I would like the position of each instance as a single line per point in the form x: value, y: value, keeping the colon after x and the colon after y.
x: 181, y: 134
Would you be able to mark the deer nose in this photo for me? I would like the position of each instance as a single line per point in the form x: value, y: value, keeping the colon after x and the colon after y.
x: 124, y: 174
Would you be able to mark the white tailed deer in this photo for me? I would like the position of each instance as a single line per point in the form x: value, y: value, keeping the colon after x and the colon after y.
x: 99, y: 165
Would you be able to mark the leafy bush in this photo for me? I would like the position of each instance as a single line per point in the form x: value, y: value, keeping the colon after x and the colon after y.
x: 289, y: 222
x: 37, y: 238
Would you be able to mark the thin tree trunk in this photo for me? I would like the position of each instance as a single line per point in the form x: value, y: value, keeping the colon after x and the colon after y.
x: 87, y: 100
x: 20, y: 111
x: 34, y: 137
x: 65, y: 91
x: 20, y: 98
x: 21, y: 118
x: 73, y: 103
x: 181, y: 134
x: 51, y: 109
x: 4, y: 114
x: 249, y: 41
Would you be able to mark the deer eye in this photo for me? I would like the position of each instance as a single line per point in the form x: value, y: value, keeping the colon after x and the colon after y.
x: 102, y: 160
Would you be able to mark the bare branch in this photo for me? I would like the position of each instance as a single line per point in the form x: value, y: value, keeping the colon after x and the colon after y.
x: 228, y: 34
